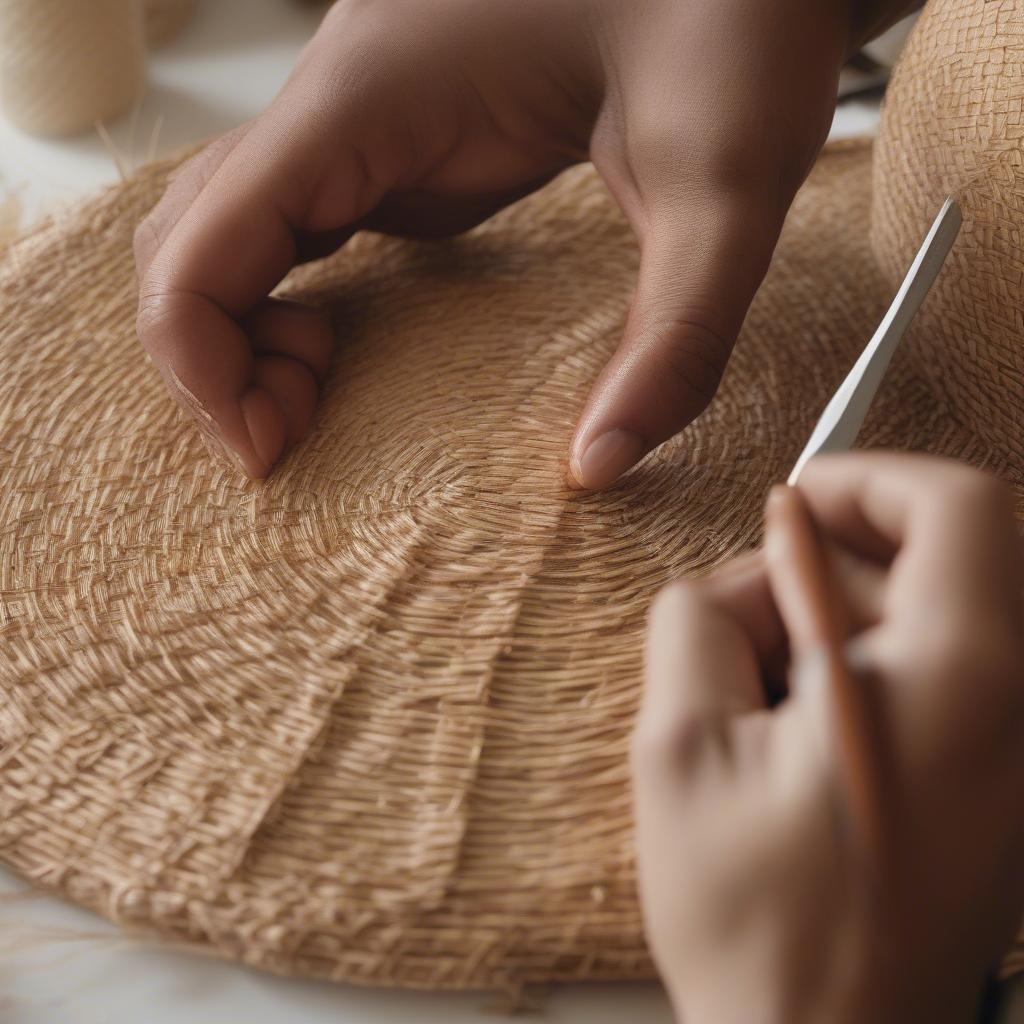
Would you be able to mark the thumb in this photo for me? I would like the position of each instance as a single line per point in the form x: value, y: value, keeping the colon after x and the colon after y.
x: 703, y: 258
x: 701, y: 671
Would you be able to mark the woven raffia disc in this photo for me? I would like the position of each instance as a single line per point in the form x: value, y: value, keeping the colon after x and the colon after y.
x: 369, y: 720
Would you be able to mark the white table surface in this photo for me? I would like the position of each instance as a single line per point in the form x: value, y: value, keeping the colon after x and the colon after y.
x: 61, y: 965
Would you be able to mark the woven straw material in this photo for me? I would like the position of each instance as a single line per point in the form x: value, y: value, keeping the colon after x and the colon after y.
x: 369, y: 720
x: 955, y: 125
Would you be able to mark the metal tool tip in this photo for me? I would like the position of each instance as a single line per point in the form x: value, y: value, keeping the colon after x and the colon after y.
x: 951, y: 208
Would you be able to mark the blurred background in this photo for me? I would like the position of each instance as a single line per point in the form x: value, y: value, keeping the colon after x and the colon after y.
x: 89, y: 91
x: 185, y: 71
x: 194, y: 68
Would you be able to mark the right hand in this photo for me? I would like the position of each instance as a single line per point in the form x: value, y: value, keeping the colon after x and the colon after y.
x: 757, y: 902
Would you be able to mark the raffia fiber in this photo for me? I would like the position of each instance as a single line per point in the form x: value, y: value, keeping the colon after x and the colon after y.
x: 369, y: 720
x: 955, y: 125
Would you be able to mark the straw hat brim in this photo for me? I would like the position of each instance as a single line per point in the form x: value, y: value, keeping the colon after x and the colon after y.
x: 369, y: 720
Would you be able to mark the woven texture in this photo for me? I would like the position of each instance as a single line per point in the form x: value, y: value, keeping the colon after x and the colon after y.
x: 955, y: 125
x: 369, y: 720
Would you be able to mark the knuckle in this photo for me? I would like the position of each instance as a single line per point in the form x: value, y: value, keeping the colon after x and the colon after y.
x: 678, y: 601
x: 154, y: 311
x: 189, y: 167
x: 693, y: 356
x: 659, y: 746
x: 146, y: 240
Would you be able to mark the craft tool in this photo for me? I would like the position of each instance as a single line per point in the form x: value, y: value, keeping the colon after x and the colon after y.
x: 836, y: 431
x: 843, y: 417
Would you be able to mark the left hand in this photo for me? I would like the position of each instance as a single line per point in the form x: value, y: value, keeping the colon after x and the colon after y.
x: 424, y: 117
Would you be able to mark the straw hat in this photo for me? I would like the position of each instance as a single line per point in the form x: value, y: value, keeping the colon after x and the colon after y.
x: 369, y: 720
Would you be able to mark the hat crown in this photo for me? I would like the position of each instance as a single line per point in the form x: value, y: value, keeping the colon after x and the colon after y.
x: 954, y: 124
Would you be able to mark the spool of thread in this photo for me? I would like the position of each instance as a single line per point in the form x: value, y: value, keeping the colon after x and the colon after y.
x: 66, y: 64
x: 164, y: 18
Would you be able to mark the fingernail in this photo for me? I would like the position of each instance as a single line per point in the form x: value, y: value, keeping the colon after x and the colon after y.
x: 208, y: 429
x: 265, y: 432
x: 605, y: 459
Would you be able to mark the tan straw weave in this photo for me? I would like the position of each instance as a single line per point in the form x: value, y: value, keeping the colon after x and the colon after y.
x: 369, y: 720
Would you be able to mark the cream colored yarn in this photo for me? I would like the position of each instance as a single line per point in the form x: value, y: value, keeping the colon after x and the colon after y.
x: 66, y: 64
x: 369, y: 720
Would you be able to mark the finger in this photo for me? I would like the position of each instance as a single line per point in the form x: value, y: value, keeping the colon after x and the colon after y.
x: 862, y: 584
x: 222, y: 257
x: 953, y: 528
x: 185, y: 183
x: 740, y: 593
x: 701, y: 671
x: 800, y: 578
x: 741, y: 590
x: 743, y: 587
x: 183, y: 186
x: 293, y: 388
x: 838, y: 707
x: 808, y: 603
x: 300, y: 333
x: 292, y: 347
x: 703, y: 256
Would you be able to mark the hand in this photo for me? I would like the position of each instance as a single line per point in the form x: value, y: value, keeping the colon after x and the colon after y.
x: 424, y: 117
x: 759, y: 902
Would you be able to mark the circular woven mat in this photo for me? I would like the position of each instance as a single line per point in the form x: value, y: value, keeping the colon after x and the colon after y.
x: 369, y: 720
